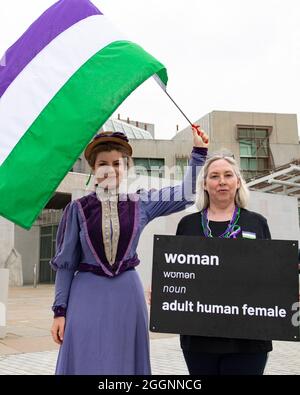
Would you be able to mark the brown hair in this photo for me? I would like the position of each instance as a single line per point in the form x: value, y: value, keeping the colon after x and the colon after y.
x: 108, y: 147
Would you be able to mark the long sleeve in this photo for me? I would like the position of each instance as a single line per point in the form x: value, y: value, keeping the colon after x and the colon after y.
x: 66, y: 258
x: 173, y: 199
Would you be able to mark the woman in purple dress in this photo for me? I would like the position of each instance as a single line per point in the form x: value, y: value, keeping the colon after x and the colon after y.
x: 100, y: 315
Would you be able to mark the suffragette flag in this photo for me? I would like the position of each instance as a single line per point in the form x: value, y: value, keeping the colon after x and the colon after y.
x: 59, y: 83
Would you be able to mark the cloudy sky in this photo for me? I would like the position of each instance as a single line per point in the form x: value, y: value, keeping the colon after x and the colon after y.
x: 220, y: 55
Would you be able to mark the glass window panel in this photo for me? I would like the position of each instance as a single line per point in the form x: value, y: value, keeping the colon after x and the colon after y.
x: 260, y: 133
x: 46, y: 247
x: 142, y: 166
x: 252, y: 133
x: 262, y: 151
x: 108, y: 126
x: 141, y: 171
x: 44, y: 274
x: 137, y: 133
x: 46, y: 230
x: 157, y: 162
x: 242, y: 133
x: 128, y: 131
x: 118, y: 126
x: 244, y: 163
x: 53, y: 246
x: 254, y: 148
x: 54, y: 231
x: 181, y: 164
x: 252, y: 164
x: 245, y: 148
x: 147, y: 135
x: 262, y: 164
x: 149, y: 166
x: 142, y: 162
x: 156, y: 171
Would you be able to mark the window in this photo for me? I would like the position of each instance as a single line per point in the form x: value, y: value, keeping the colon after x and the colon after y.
x: 149, y: 167
x: 129, y: 132
x: 118, y: 127
x: 137, y: 133
x: 181, y: 165
x: 47, y: 251
x: 255, y: 153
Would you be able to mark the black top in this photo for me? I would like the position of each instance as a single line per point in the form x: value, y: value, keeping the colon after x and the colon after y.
x: 249, y: 222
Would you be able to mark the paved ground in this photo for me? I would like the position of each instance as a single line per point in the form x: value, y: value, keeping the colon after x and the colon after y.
x: 28, y: 348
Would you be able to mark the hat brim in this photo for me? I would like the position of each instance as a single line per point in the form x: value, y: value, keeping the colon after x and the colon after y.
x: 103, y: 140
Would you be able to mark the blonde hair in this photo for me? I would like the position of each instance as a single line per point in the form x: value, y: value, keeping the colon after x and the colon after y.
x: 202, y: 196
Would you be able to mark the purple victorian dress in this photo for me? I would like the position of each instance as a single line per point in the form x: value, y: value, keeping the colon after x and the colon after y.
x: 102, y: 298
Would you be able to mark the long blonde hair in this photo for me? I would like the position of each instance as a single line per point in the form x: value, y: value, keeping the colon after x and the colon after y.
x: 202, y: 197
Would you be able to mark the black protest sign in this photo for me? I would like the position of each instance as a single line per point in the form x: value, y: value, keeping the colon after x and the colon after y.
x: 234, y: 288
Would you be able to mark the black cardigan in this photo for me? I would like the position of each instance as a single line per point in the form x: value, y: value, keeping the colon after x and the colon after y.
x: 191, y: 226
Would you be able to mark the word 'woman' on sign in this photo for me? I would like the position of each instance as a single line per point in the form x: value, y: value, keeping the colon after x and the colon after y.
x: 192, y: 259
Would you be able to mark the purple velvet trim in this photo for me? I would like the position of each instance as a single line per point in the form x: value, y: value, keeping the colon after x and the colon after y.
x: 91, y: 208
x: 133, y: 233
x: 126, y: 211
x: 93, y: 215
x: 59, y: 311
x: 55, y: 20
x: 200, y: 150
x: 87, y: 235
x: 128, y: 264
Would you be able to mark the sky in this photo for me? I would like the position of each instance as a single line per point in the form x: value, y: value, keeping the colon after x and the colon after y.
x: 228, y: 55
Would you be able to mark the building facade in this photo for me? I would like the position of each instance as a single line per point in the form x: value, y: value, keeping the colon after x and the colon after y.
x: 260, y: 142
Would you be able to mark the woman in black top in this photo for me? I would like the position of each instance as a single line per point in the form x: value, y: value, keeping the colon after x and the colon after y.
x: 221, y: 198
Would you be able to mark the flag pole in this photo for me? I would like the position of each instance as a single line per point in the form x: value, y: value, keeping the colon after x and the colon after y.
x: 185, y: 116
x: 195, y: 127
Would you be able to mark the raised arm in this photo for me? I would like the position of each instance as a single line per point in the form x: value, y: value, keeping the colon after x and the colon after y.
x: 173, y: 199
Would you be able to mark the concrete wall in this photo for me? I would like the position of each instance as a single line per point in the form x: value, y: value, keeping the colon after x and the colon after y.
x: 282, y: 152
x: 6, y: 239
x: 281, y: 212
x: 74, y: 181
x: 27, y: 243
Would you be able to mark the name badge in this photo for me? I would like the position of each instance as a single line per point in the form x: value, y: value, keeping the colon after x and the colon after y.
x: 249, y: 235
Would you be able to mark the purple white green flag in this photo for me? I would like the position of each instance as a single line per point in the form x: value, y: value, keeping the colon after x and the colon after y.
x: 59, y: 83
